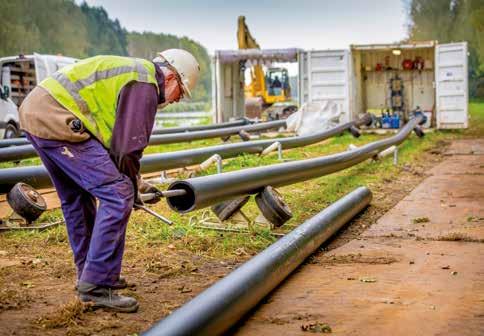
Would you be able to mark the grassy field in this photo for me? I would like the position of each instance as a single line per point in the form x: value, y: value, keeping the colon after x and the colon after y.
x: 166, y: 266
x: 305, y: 199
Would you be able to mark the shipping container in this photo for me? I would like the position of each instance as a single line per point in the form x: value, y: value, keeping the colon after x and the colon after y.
x: 430, y: 76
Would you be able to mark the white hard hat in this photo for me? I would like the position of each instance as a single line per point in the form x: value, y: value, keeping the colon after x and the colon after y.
x: 185, y: 65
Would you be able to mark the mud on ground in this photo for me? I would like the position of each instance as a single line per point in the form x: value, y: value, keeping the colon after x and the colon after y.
x: 37, y: 281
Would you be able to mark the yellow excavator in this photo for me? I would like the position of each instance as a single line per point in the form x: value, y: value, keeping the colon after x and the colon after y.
x: 269, y: 91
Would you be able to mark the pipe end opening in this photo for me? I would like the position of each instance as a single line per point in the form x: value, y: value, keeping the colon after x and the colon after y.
x: 183, y: 203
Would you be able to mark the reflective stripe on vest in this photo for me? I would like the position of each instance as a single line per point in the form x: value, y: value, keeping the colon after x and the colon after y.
x: 103, y: 78
x: 74, y: 88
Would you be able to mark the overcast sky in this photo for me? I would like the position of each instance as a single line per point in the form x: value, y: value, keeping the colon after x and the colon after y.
x: 308, y: 24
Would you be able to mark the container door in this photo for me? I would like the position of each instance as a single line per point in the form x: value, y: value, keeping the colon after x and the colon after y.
x: 324, y: 75
x: 451, y: 78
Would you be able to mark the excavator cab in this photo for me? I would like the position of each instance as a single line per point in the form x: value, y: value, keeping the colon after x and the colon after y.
x: 277, y: 84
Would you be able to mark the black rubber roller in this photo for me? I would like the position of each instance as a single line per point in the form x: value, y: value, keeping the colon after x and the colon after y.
x: 273, y: 207
x: 26, y: 201
x: 355, y: 131
x: 419, y: 132
x: 227, y: 209
x: 244, y: 135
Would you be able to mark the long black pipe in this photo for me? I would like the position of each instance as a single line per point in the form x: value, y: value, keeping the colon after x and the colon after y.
x: 220, y: 306
x: 14, y: 142
x: 214, y: 133
x: 172, y: 137
x: 37, y: 176
x: 208, y: 190
x: 21, y: 152
x: 159, y: 131
x: 183, y: 158
x: 170, y: 130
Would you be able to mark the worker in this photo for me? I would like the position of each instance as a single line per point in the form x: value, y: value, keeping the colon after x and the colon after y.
x: 276, y: 86
x: 276, y: 83
x: 90, y: 122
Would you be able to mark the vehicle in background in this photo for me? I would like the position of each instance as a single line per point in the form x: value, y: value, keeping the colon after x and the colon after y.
x: 19, y: 75
x: 268, y: 91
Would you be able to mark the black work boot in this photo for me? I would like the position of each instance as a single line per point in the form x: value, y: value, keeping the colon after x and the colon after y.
x: 104, y: 297
x: 121, y: 283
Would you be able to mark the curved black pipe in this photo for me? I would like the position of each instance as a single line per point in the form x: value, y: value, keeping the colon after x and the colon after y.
x: 208, y: 190
x: 171, y: 130
x: 37, y: 176
x: 203, y: 132
x: 220, y: 306
x: 168, y: 130
x: 20, y: 152
x: 214, y: 133
x: 183, y: 158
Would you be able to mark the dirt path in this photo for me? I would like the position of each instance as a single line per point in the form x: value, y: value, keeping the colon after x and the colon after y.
x: 419, y: 270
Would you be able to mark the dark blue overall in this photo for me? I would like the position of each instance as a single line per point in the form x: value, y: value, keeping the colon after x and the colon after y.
x: 81, y: 173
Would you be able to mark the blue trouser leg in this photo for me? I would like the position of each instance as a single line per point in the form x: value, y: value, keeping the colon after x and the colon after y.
x: 78, y: 206
x: 80, y: 172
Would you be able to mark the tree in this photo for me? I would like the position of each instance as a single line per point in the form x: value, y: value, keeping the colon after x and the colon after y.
x: 63, y: 27
x: 105, y: 36
x: 449, y: 21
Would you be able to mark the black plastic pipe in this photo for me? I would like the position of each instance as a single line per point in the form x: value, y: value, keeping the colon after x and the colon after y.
x: 170, y: 130
x: 214, y: 133
x: 183, y: 158
x: 208, y: 190
x: 21, y: 152
x: 37, y: 176
x: 17, y: 152
x: 14, y: 142
x: 220, y: 306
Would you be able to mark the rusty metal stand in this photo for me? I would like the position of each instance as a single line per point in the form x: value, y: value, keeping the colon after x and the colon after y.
x: 15, y: 222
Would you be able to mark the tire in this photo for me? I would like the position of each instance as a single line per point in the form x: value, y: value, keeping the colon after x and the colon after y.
x: 273, y: 207
x: 11, y: 131
x: 26, y: 201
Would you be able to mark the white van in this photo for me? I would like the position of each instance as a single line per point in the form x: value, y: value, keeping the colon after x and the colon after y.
x: 19, y: 75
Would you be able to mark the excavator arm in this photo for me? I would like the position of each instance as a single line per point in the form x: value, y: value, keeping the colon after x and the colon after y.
x: 247, y: 41
x: 244, y: 37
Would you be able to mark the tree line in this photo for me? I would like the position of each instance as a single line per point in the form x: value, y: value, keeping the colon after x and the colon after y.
x: 63, y: 27
x: 452, y: 21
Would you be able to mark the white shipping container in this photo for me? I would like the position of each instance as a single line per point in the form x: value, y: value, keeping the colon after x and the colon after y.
x: 358, y: 80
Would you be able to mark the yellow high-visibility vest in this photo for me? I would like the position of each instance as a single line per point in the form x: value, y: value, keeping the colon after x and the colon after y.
x: 90, y: 89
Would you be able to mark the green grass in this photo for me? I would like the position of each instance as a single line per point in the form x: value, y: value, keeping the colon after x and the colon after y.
x: 305, y: 199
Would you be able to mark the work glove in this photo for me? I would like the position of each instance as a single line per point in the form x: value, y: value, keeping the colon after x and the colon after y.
x: 155, y: 196
x: 149, y: 193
